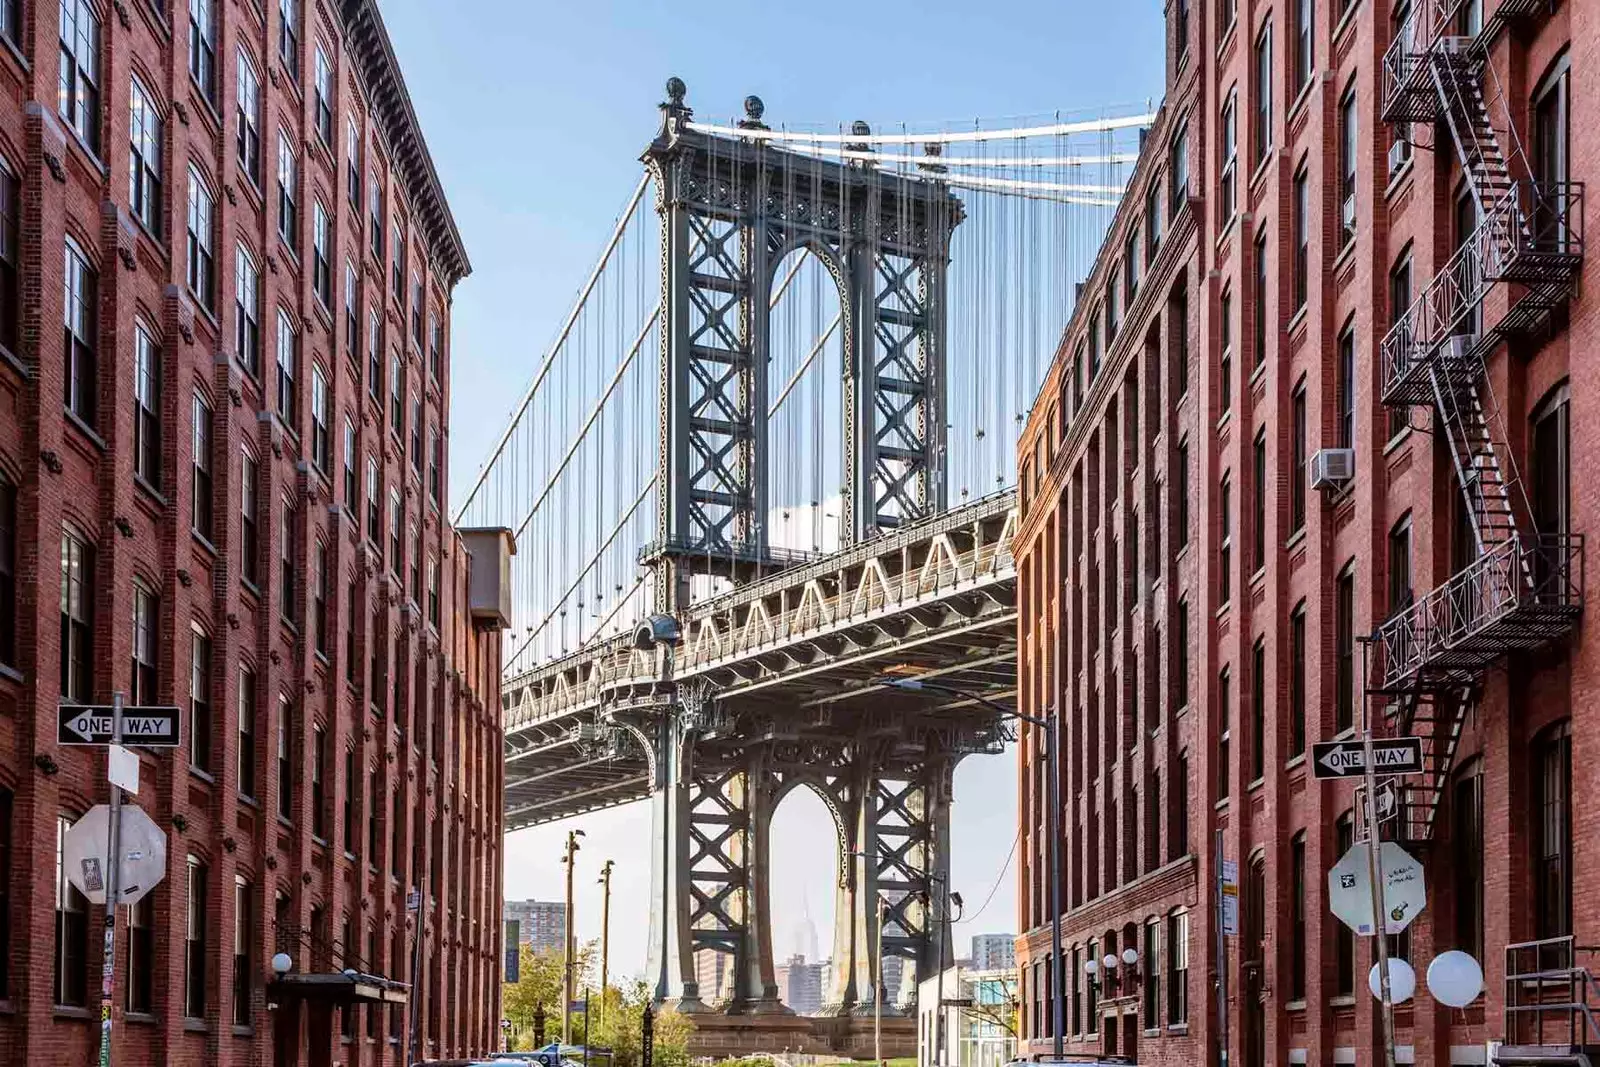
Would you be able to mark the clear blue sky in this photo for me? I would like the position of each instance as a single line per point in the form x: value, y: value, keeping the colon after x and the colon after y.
x: 536, y: 112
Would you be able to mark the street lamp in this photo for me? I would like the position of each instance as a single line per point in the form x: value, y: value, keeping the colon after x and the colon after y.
x: 943, y: 934
x: 1047, y: 727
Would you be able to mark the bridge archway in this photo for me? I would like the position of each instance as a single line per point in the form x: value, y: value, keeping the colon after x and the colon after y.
x: 807, y: 866
x: 807, y: 330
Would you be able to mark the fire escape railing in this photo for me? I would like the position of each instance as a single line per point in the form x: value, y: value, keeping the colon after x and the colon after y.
x: 1521, y: 593
x: 1551, y: 996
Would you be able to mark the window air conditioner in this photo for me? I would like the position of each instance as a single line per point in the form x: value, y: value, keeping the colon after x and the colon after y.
x: 1348, y: 214
x: 1332, y: 468
x: 1399, y: 152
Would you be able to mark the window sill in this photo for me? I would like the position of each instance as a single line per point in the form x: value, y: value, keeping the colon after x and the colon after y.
x: 204, y: 776
x: 1223, y: 419
x: 1343, y: 1000
x: 76, y: 422
x: 1346, y: 251
x: 1295, y: 761
x: 9, y: 359
x: 243, y: 1031
x: 204, y: 542
x: 75, y: 139
x: 1256, y: 784
x: 70, y: 1011
x: 1398, y: 178
x: 143, y: 1018
x: 195, y: 1026
x: 250, y: 587
x: 1345, y: 22
x: 12, y: 674
x: 1295, y: 1005
x: 143, y: 485
x: 1178, y: 1028
x: 285, y: 822
x: 1296, y: 537
x: 1394, y: 443
x: 1257, y: 374
x: 16, y: 54
x: 249, y: 801
x: 1298, y: 319
x: 1300, y: 101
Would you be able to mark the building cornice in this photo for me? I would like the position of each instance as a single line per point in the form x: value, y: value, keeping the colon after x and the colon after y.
x: 368, y: 41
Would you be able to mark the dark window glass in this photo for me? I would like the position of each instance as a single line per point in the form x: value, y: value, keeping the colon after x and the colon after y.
x: 77, y: 619
x: 194, y: 941
x: 200, y: 702
x: 1466, y: 858
x: 247, y: 732
x: 71, y: 958
x: 201, y: 242
x: 1399, y: 303
x: 247, y: 119
x: 1344, y: 625
x: 144, y: 157
x: 249, y: 518
x: 146, y: 622
x: 1297, y: 484
x: 1224, y: 775
x: 1347, y: 389
x: 200, y: 467
x: 289, y: 36
x: 1297, y: 680
x: 243, y: 936
x: 1259, y: 534
x: 8, y: 571
x: 80, y: 383
x: 1225, y: 550
x: 1258, y: 710
x: 1178, y: 968
x: 1302, y: 238
x: 141, y: 956
x: 319, y: 770
x: 1297, y: 917
x: 78, y: 78
x: 1344, y: 950
x: 285, y: 758
x: 1304, y: 42
x: 1263, y: 95
x: 1552, y: 851
x: 1400, y: 592
x: 146, y: 407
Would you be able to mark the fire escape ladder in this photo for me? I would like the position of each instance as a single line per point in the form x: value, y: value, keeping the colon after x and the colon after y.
x: 1437, y: 717
x: 1466, y: 426
x: 1458, y: 73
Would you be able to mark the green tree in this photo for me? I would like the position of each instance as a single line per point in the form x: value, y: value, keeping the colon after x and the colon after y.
x: 615, y: 1016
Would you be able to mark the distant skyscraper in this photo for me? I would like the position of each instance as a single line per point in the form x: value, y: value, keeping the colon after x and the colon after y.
x: 993, y: 952
x: 894, y: 969
x: 542, y: 923
x: 800, y: 985
x: 714, y: 973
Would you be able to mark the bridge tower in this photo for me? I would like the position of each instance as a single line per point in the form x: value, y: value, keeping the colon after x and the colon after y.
x: 731, y: 210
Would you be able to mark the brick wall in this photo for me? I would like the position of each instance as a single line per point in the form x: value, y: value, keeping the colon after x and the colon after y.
x: 432, y: 739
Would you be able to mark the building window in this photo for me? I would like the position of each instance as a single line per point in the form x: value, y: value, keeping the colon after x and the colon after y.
x: 1225, y: 548
x: 1259, y: 297
x: 146, y: 407
x: 352, y: 163
x: 375, y: 217
x: 374, y: 503
x: 348, y: 810
x: 374, y: 357
x: 200, y: 701
x: 395, y: 513
x: 321, y: 255
x: 350, y: 616
x: 321, y: 447
x: 1297, y: 917
x: 371, y: 803
x: 1178, y: 167
x: 247, y: 310
x: 324, y: 97
x: 319, y: 597
x: 79, y: 73
x: 203, y: 48
x: 1225, y: 364
x: 1349, y: 148
x: 1400, y: 591
x: 194, y: 941
x: 80, y: 391
x: 1263, y: 95
x: 416, y: 434
x: 1551, y: 463
x: 10, y: 256
x: 1152, y: 973
x: 1152, y: 221
x: 144, y: 157
x: 1305, y: 24
x: 289, y: 36
x: 146, y: 621
x: 1182, y: 463
x: 1259, y: 534
x: 201, y: 242
x: 243, y: 935
x: 433, y: 593
x: 1552, y: 850
x: 1346, y: 387
x: 397, y: 271
x: 249, y: 508
x: 1399, y: 303
x: 435, y: 464
x: 1297, y: 484
x: 1344, y: 938
x: 397, y: 393
x: 1228, y: 197
x: 8, y: 571
x: 288, y: 561
x: 319, y: 795
x: 1466, y: 858
x: 435, y: 345
x: 1224, y: 734
x: 288, y: 217
x: 247, y: 115
x: 1180, y: 30
x: 141, y: 956
x: 288, y: 371
x: 1297, y: 680
x: 1178, y: 968
x: 350, y: 492
x: 71, y: 958
x: 285, y: 759
x: 1258, y: 710
x: 1302, y: 237
x: 417, y: 301
x: 200, y: 467
x: 352, y: 318
x: 247, y: 733
x: 1344, y: 626
x: 77, y: 619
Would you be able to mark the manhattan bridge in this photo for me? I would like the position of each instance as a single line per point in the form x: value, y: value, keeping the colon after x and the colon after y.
x: 761, y: 480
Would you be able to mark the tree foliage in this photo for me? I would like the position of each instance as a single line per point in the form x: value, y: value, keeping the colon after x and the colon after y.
x: 614, y: 1020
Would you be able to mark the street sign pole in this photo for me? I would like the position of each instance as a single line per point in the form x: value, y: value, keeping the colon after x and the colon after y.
x: 108, y: 970
x: 1380, y: 918
x: 1222, y: 957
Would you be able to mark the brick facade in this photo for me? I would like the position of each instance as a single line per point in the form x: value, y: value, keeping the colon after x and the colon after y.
x: 1143, y: 602
x: 372, y: 657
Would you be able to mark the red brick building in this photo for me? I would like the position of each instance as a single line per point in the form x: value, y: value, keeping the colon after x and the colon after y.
x: 1331, y: 242
x: 222, y: 487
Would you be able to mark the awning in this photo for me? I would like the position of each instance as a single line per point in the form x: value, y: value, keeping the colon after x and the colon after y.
x: 337, y: 988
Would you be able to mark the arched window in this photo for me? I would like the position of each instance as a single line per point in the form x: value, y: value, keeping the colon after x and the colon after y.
x: 1552, y: 832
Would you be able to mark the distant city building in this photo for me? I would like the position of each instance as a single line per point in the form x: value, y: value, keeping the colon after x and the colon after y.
x: 894, y: 969
x: 800, y: 984
x: 714, y: 972
x: 541, y: 923
x: 992, y: 952
x: 979, y: 1018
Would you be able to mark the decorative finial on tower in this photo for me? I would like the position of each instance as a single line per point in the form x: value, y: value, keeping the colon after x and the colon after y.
x: 676, y: 91
x: 859, y: 128
x: 932, y: 150
x: 753, y: 110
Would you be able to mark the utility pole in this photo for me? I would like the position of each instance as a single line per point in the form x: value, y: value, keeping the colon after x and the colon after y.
x: 1380, y: 920
x: 605, y: 933
x: 570, y: 947
x: 877, y: 990
x: 108, y: 971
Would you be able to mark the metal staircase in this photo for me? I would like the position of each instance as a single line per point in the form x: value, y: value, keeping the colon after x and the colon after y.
x: 1550, y: 1006
x: 1523, y: 590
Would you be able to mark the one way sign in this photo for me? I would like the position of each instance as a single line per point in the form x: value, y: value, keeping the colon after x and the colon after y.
x: 88, y: 724
x: 1347, y: 759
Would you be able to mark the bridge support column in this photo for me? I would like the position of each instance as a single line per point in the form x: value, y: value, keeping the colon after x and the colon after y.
x: 755, y: 978
x: 671, y: 959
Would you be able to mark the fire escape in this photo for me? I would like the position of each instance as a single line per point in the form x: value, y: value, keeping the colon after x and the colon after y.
x: 1521, y: 590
